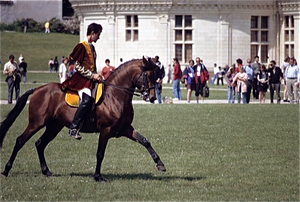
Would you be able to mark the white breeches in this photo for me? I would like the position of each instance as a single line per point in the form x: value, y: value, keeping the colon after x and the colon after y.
x: 86, y: 91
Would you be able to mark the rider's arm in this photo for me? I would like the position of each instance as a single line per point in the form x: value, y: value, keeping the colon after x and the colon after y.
x: 83, y: 71
x: 78, y: 55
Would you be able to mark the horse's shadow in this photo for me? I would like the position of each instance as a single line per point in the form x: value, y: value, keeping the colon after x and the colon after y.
x: 112, y: 177
x: 138, y: 176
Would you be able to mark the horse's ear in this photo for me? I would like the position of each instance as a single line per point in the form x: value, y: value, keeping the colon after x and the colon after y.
x: 145, y: 61
x: 151, y: 61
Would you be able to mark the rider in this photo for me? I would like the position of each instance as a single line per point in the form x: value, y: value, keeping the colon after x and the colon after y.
x: 84, y: 56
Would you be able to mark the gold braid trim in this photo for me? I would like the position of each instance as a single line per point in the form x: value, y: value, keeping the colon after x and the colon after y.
x: 90, y: 64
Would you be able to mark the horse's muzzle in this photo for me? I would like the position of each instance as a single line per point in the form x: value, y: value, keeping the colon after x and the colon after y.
x: 152, y: 99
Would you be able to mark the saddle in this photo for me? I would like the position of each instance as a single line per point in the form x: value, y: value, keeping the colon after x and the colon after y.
x: 73, y: 100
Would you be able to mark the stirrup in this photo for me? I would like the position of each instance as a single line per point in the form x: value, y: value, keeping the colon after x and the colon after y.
x: 75, y: 133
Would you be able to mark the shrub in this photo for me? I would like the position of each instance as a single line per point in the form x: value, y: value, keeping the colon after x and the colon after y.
x: 69, y: 26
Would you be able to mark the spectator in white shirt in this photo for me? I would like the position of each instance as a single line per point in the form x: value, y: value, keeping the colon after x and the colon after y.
x: 63, y: 70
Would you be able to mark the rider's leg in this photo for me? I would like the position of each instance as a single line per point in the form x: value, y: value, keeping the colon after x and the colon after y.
x: 83, y: 109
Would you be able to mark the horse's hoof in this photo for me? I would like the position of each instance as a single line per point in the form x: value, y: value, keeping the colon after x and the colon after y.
x: 162, y: 168
x: 100, y: 179
x: 47, y: 173
x: 4, y: 174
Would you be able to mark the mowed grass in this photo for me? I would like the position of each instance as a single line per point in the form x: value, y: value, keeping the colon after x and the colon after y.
x: 211, y: 152
x: 37, y: 48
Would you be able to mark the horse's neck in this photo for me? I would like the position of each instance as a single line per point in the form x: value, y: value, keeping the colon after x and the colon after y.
x: 122, y: 83
x: 124, y: 77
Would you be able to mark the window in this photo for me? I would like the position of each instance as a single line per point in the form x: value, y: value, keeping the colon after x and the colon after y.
x: 254, y: 22
x: 132, y: 32
x: 264, y: 22
x: 178, y: 51
x: 254, y: 50
x: 178, y: 35
x: 260, y: 37
x: 254, y: 37
x: 183, y: 38
x: 188, y: 52
x: 264, y: 36
x: 289, y: 36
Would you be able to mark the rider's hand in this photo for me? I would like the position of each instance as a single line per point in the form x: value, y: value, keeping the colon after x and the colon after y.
x: 97, y: 77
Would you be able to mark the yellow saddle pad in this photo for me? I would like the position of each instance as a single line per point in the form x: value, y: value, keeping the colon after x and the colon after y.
x: 72, y: 98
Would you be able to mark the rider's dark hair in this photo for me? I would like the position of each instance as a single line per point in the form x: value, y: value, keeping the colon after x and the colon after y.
x: 94, y: 27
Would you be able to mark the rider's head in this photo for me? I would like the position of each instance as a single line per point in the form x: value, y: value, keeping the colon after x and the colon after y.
x: 93, y: 32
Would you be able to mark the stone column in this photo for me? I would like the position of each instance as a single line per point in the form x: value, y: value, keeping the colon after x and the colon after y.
x: 163, y: 41
x: 82, y: 31
x: 297, y: 37
x: 111, y: 39
x: 224, y: 44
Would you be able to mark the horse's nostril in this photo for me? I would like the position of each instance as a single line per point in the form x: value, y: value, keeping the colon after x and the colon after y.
x: 152, y: 99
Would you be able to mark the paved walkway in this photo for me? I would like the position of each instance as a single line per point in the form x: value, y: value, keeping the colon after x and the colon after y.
x: 181, y: 102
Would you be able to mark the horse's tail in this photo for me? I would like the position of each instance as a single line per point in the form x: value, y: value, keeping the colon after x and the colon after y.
x: 13, y: 114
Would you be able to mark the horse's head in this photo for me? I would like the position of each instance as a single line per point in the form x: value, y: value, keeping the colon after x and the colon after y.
x: 146, y: 80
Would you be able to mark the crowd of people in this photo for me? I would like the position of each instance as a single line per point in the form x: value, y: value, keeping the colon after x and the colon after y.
x: 258, y: 78
x: 241, y: 79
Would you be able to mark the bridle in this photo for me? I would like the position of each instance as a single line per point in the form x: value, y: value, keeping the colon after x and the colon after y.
x: 145, y: 89
x: 142, y: 92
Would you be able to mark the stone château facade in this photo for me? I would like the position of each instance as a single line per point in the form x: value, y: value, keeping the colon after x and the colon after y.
x: 217, y: 31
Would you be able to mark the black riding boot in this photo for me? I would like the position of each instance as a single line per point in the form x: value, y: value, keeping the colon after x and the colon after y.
x: 84, y: 107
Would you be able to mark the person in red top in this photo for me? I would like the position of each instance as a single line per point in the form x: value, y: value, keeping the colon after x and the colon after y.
x: 84, y: 56
x: 239, y: 64
x: 177, y: 73
x: 107, y: 70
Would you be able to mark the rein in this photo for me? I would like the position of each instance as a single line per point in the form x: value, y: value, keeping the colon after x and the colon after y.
x: 133, y: 91
x: 127, y: 90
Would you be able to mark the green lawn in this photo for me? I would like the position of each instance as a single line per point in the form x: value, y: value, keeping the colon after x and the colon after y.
x: 211, y: 152
x: 37, y: 48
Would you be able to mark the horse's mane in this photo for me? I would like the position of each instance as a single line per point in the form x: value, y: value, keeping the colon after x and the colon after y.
x: 121, y: 68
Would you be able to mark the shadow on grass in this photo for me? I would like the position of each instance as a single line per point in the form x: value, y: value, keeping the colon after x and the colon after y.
x: 137, y: 176
x: 111, y: 177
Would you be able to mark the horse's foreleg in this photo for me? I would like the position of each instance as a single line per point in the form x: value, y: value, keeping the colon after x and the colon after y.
x: 52, y: 129
x: 21, y: 140
x: 100, y: 155
x: 145, y: 142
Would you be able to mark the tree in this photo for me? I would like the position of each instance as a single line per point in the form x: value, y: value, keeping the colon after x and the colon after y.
x: 67, y: 8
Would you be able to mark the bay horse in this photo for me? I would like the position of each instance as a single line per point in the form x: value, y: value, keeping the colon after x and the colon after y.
x: 112, y: 118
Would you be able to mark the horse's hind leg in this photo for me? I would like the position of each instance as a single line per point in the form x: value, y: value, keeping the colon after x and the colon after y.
x: 134, y: 135
x: 21, y: 140
x: 50, y: 133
